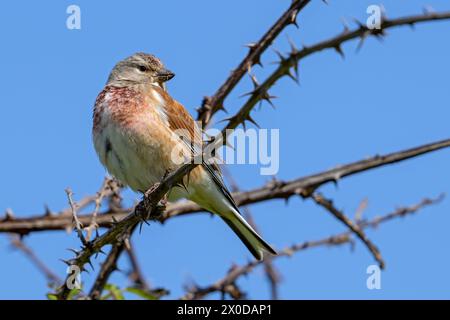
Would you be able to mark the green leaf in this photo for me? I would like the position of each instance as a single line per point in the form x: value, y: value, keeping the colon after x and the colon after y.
x: 142, y: 293
x: 51, y: 296
x: 73, y: 293
x: 115, y: 291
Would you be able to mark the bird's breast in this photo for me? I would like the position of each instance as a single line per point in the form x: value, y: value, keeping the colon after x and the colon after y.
x: 131, y: 137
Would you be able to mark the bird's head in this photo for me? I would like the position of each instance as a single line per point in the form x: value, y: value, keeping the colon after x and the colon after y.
x: 140, y: 68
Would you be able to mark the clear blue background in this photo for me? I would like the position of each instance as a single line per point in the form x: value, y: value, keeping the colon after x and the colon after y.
x: 387, y: 97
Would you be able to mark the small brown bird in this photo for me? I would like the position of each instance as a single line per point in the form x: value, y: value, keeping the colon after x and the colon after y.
x: 135, y: 134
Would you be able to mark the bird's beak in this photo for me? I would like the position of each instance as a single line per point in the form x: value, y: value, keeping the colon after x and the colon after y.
x: 164, y: 75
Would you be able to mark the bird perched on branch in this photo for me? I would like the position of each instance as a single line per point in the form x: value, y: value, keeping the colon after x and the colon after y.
x: 136, y: 134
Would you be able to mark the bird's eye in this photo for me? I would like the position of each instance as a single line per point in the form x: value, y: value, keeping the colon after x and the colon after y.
x: 143, y: 68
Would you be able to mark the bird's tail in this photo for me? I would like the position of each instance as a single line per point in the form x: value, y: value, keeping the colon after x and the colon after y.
x: 248, y: 236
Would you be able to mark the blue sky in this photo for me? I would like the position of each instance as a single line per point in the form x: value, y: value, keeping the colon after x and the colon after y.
x: 387, y: 97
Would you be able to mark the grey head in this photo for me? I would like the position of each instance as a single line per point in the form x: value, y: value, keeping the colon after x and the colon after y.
x: 140, y: 68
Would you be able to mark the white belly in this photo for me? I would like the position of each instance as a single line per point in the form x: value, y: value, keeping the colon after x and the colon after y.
x: 129, y: 161
x: 136, y: 163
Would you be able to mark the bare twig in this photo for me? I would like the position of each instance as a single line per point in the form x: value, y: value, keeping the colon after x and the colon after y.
x: 214, y: 103
x: 136, y: 274
x: 360, y: 210
x: 107, y: 268
x: 110, y: 265
x: 274, y: 190
x: 93, y: 226
x: 196, y: 292
x: 328, y: 205
x: 148, y: 209
x: 52, y: 278
x: 272, y: 274
x: 75, y: 220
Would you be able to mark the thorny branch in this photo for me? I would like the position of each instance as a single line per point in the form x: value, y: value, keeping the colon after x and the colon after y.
x: 150, y: 208
x: 227, y: 284
x: 287, y: 63
x: 75, y: 220
x: 137, y: 277
x: 135, y: 274
x: 328, y: 205
x: 104, y: 190
x: 146, y: 208
x: 107, y: 268
x: 214, y: 103
x: 52, y: 278
x: 275, y: 189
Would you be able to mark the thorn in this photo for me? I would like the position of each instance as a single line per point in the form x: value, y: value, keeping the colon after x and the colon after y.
x: 359, y: 23
x: 361, y: 41
x: 326, y: 2
x: 335, y: 182
x: 230, y: 118
x: 114, y: 220
x: 67, y: 262
x: 250, y: 45
x: 83, y: 269
x: 293, y: 18
x: 250, y: 119
x: 294, y: 49
x: 101, y: 251
x: 338, y: 48
x: 346, y: 26
x: 241, y: 96
x: 296, y: 73
x: 9, y: 215
x: 221, y: 107
x: 380, y: 35
x: 269, y: 98
x: 48, y: 212
x: 76, y: 252
x: 428, y: 10
x: 90, y: 263
x: 254, y: 81
x: 257, y: 61
x: 293, y: 77
x: 280, y: 55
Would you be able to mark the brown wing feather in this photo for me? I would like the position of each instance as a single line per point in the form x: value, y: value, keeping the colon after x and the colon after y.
x: 179, y: 118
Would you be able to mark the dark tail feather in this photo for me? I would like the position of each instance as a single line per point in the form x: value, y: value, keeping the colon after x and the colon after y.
x: 255, y: 244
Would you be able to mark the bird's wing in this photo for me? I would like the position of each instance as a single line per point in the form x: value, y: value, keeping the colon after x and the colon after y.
x: 179, y: 118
